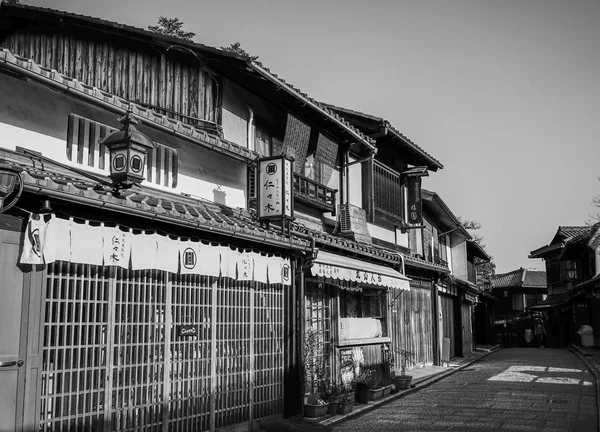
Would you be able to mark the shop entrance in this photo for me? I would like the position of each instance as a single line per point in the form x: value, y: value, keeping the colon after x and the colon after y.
x: 129, y: 349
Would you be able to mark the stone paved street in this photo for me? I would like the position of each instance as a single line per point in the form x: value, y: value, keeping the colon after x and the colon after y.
x: 520, y: 389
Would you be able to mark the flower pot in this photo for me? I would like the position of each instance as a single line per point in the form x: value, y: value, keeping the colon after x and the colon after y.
x: 375, y: 394
x: 332, y: 407
x: 402, y: 382
x: 315, y: 410
x: 387, y: 390
x: 361, y: 394
x: 345, y: 407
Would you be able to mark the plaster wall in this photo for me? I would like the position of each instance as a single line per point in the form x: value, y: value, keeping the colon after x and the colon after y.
x: 35, y: 117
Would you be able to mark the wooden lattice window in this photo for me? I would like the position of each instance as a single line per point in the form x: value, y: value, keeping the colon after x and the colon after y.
x: 83, y: 147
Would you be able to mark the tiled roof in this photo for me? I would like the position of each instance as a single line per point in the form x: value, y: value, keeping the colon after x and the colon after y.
x: 572, y: 231
x: 524, y: 278
x: 50, y: 76
x: 346, y: 245
x: 386, y: 123
x: 324, y: 107
x: 421, y: 263
x: 253, y: 64
x: 62, y: 183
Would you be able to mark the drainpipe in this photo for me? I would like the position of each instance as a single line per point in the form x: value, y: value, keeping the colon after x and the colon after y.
x: 250, y: 128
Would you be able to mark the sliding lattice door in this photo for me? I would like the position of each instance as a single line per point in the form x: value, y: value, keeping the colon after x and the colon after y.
x: 114, y: 358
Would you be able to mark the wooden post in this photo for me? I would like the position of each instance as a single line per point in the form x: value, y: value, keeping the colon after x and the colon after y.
x: 252, y: 366
x: 213, y: 357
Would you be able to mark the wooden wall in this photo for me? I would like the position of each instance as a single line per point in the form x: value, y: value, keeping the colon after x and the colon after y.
x: 411, y: 323
x: 147, y: 77
x: 448, y: 321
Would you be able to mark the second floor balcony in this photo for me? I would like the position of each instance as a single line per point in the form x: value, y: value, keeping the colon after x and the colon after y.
x: 314, y: 194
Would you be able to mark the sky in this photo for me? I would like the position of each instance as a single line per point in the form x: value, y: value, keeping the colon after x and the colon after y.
x: 505, y: 94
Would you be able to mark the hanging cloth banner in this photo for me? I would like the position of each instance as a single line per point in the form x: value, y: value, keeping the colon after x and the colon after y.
x: 116, y: 247
x: 89, y: 249
x: 261, y: 267
x: 65, y: 240
x: 167, y: 254
x: 57, y: 246
x: 35, y: 236
x: 245, y: 266
x: 229, y: 260
x: 144, y: 251
x: 199, y: 258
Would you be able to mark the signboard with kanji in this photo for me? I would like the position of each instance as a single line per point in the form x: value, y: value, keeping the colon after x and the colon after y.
x: 275, y: 188
x: 413, y: 201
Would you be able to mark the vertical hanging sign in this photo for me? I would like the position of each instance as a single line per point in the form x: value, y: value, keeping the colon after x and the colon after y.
x: 275, y: 194
x: 413, y: 200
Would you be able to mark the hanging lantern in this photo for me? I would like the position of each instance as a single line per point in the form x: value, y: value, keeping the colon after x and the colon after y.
x: 8, y: 180
x: 128, y: 149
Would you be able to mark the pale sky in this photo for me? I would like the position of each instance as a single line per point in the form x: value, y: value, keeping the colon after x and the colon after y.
x: 505, y: 93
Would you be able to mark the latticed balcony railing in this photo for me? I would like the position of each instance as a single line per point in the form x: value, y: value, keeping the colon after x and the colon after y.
x: 387, y: 191
x: 314, y: 194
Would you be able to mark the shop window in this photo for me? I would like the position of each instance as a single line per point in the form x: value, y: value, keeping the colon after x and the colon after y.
x: 363, y: 314
x: 318, y: 316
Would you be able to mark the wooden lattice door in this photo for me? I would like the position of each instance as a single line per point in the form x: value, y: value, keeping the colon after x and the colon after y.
x: 115, y: 360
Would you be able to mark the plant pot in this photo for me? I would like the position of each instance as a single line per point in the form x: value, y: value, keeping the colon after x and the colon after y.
x: 402, y: 382
x: 387, y: 390
x: 332, y: 407
x: 361, y: 394
x: 345, y: 407
x: 315, y: 410
x: 375, y: 394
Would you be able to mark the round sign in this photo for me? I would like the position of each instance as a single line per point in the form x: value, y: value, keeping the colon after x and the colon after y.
x: 271, y: 168
x: 119, y: 162
x: 136, y: 164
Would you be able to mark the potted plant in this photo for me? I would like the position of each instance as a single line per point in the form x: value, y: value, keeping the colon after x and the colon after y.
x: 346, y: 400
x: 368, y: 387
x: 403, y: 381
x: 330, y: 394
x: 375, y: 384
x: 314, y: 369
x: 387, y: 364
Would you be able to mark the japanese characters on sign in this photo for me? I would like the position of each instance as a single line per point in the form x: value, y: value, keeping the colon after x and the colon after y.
x: 413, y: 201
x: 275, y: 183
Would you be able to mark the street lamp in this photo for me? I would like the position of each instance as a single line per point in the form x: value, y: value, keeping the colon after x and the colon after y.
x: 8, y: 180
x: 128, y: 149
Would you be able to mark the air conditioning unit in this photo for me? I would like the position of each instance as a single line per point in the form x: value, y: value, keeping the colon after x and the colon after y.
x: 344, y: 219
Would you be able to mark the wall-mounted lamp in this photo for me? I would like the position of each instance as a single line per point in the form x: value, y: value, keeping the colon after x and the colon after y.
x: 128, y: 149
x: 8, y: 180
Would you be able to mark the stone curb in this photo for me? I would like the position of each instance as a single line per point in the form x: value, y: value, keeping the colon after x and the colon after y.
x: 424, y: 382
x: 582, y: 356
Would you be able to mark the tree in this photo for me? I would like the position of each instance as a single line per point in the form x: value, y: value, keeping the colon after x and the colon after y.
x: 484, y: 270
x: 10, y: 1
x: 236, y: 48
x: 171, y: 27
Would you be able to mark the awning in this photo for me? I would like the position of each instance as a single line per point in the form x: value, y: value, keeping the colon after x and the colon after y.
x: 551, y: 301
x: 334, y: 266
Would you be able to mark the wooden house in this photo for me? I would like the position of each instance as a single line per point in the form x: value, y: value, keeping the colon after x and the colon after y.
x: 572, y: 260
x: 378, y: 193
x: 445, y: 242
x: 197, y: 327
x: 516, y: 292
